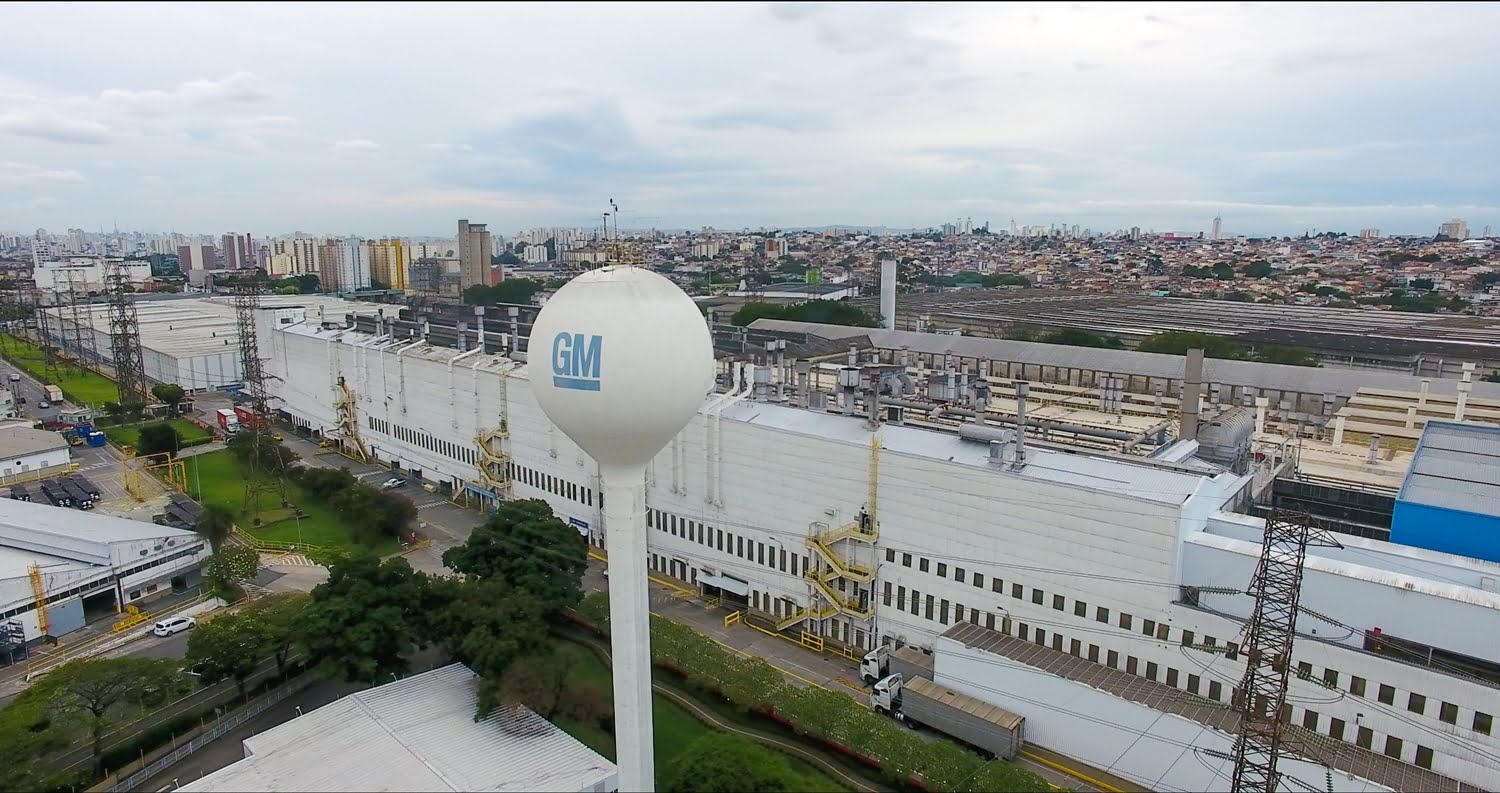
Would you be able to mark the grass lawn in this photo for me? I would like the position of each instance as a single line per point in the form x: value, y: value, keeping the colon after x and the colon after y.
x: 675, y: 727
x: 84, y: 387
x: 216, y: 478
x: 191, y: 433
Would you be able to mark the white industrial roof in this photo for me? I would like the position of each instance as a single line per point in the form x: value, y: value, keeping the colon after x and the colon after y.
x: 16, y: 563
x: 416, y: 734
x: 1278, y: 377
x: 1141, y: 480
x: 1456, y: 466
x: 188, y: 327
x: 21, y: 441
x: 74, y: 534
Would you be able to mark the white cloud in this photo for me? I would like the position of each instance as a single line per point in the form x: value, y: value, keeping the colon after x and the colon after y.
x: 750, y: 114
x: 358, y: 145
x: 16, y: 174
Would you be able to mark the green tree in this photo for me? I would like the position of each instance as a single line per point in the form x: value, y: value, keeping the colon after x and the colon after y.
x: 1485, y: 280
x: 529, y: 548
x: 95, y: 693
x: 158, y: 438
x: 251, y: 444
x: 1073, y: 337
x: 280, y: 616
x: 722, y: 763
x: 830, y: 312
x: 229, y: 566
x: 1422, y: 284
x: 115, y: 411
x: 1260, y: 268
x: 170, y: 394
x: 1291, y: 356
x: 538, y: 682
x: 215, y: 523
x: 511, y: 290
x: 1179, y: 342
x: 368, y: 616
x: 228, y: 647
x: 33, y: 737
x: 1492, y: 377
x: 488, y: 624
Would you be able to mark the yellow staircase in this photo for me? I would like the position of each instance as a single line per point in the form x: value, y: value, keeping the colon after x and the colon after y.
x: 347, y: 431
x: 494, y: 460
x: 838, y: 569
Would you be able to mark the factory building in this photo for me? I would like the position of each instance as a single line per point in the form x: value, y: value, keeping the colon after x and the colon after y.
x: 84, y: 566
x: 192, y: 342
x: 866, y: 497
x: 1429, y: 345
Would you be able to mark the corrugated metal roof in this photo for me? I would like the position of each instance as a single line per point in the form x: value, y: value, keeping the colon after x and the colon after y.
x: 73, y: 534
x: 416, y: 734
x: 1278, y: 377
x: 1456, y: 466
x: 974, y: 707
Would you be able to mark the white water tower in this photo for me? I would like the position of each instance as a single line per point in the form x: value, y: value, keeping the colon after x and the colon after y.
x: 620, y: 359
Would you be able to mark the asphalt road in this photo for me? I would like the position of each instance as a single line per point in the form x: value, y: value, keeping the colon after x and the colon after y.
x: 30, y: 390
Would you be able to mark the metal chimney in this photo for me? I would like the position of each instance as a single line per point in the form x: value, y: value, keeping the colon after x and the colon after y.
x: 463, y: 336
x: 1374, y: 448
x: 1192, y: 394
x: 479, y: 322
x: 515, y: 327
x: 888, y: 293
x: 804, y: 369
x: 853, y: 355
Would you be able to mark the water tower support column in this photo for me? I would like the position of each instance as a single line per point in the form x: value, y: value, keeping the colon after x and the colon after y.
x: 630, y: 623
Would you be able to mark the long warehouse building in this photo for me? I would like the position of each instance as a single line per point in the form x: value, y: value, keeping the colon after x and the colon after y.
x: 193, y: 342
x: 883, y: 525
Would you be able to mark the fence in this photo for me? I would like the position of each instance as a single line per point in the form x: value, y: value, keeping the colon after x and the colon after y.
x: 220, y: 728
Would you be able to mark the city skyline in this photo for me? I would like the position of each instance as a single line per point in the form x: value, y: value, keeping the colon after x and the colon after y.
x: 783, y: 115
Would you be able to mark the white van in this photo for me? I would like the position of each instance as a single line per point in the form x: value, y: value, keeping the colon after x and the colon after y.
x: 172, y: 625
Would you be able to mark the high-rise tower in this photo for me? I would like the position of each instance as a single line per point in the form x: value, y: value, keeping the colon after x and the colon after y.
x: 1218, y: 223
x: 475, y: 249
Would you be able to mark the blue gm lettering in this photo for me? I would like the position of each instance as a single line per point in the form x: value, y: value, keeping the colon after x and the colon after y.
x: 575, y: 361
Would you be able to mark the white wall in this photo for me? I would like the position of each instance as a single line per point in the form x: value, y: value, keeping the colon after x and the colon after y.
x: 1155, y: 750
x: 26, y: 463
x: 1089, y: 547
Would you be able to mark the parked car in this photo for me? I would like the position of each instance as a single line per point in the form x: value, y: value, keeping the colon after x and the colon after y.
x: 392, y: 483
x: 43, y: 405
x: 172, y: 625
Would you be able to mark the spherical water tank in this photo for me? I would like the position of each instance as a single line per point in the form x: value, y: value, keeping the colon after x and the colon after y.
x: 620, y: 359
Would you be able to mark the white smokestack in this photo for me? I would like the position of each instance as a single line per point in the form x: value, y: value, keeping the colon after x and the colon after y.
x: 888, y: 293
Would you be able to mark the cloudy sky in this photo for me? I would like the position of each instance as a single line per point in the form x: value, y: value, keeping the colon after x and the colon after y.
x: 387, y: 118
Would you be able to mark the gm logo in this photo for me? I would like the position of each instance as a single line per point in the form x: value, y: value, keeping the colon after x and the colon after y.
x: 575, y: 361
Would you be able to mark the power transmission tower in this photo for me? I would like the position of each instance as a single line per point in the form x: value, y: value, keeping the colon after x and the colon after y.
x: 1277, y: 588
x: 45, y: 338
x: 78, y: 328
x: 125, y: 343
x: 266, y: 469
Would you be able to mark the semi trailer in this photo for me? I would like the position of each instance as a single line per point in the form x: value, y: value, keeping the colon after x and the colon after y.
x: 919, y: 701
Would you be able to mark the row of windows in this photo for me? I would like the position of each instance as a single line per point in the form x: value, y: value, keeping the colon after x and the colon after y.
x: 940, y: 610
x: 101, y: 583
x: 1150, y: 628
x: 932, y: 608
x: 462, y: 453
x: 768, y: 555
x: 555, y: 485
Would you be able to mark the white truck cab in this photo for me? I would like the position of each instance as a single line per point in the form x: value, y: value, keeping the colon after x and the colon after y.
x: 885, y: 696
